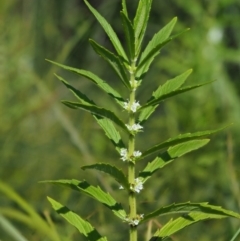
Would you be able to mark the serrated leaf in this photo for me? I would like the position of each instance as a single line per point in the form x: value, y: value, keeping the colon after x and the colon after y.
x: 113, y: 60
x: 169, y: 86
x: 179, y: 139
x: 80, y: 224
x: 109, y: 31
x: 140, y: 22
x: 170, y: 155
x: 95, y: 110
x: 157, y: 39
x: 171, y: 94
x: 129, y: 34
x: 112, y: 171
x: 155, y: 51
x: 95, y: 79
x: 94, y: 192
x: 200, y: 212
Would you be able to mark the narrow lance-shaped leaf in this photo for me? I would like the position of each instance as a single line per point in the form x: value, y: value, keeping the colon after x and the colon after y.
x: 171, y: 94
x: 94, y: 192
x: 129, y: 34
x: 169, y: 86
x: 113, y: 60
x: 109, y: 31
x: 124, y: 6
x: 97, y: 111
x: 106, y: 124
x: 186, y: 208
x: 80, y: 224
x: 157, y: 39
x: 112, y: 171
x: 179, y: 139
x: 204, y: 212
x: 170, y: 155
x: 140, y: 22
x: 95, y: 79
x: 155, y: 51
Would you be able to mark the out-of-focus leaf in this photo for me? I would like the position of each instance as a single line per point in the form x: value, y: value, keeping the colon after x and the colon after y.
x: 124, y: 6
x: 111, y: 170
x: 80, y: 224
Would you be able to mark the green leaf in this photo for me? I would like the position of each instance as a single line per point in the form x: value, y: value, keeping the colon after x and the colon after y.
x: 124, y: 6
x: 113, y: 60
x: 94, y: 192
x: 82, y: 226
x: 95, y: 79
x: 129, y: 34
x: 156, y: 101
x: 109, y: 31
x: 157, y: 39
x: 192, y: 213
x: 110, y: 132
x: 111, y: 170
x: 186, y: 208
x: 140, y: 22
x: 179, y: 139
x: 166, y: 88
x: 170, y: 155
x: 95, y: 110
x: 155, y: 51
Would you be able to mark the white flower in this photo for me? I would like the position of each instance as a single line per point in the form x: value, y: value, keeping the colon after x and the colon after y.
x: 121, y: 187
x: 133, y: 107
x: 137, y: 153
x: 141, y: 216
x: 124, y: 154
x: 133, y: 222
x: 134, y: 127
x: 137, y: 186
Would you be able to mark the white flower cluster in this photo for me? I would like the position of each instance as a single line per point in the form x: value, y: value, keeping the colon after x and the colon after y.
x: 125, y: 157
x: 134, y: 221
x: 134, y: 127
x: 137, y: 186
x: 131, y: 107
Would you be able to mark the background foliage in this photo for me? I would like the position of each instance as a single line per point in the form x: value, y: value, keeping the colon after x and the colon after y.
x: 41, y: 139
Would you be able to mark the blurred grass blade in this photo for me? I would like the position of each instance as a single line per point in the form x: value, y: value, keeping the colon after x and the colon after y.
x: 109, y: 31
x: 96, y: 110
x: 94, y: 192
x: 170, y: 155
x: 129, y: 35
x: 81, y: 225
x: 95, y: 79
x: 11, y: 230
x: 235, y: 235
x: 117, y: 174
x: 113, y: 60
x: 140, y: 22
x: 169, y: 86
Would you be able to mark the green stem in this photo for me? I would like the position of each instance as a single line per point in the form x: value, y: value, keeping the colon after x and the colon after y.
x: 131, y: 164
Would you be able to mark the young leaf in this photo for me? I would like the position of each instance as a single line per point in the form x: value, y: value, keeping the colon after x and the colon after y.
x: 129, y: 34
x: 95, y: 79
x: 179, y: 139
x: 173, y: 93
x: 168, y: 87
x: 170, y: 155
x: 95, y: 110
x: 140, y: 22
x: 94, y: 192
x: 81, y: 225
x: 157, y: 39
x: 113, y: 60
x: 186, y: 208
x: 109, y: 31
x: 111, y: 170
x: 124, y: 6
x: 204, y: 211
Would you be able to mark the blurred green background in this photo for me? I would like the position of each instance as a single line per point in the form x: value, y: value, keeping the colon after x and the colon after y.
x: 41, y: 139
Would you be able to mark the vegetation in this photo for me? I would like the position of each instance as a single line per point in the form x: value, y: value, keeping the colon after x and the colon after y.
x: 36, y: 131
